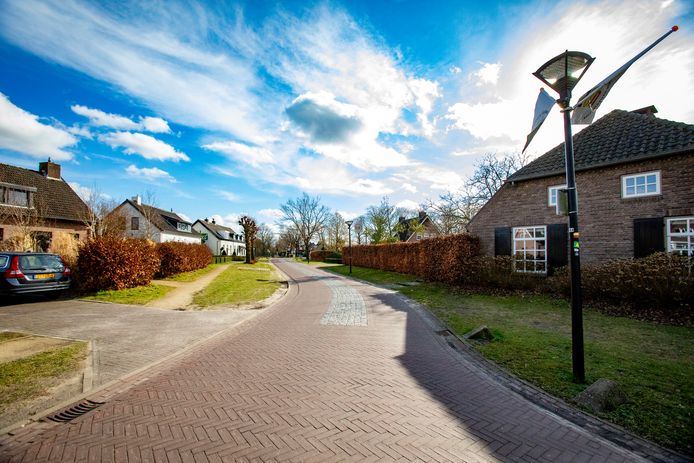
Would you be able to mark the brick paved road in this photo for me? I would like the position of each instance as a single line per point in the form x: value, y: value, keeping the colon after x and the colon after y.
x: 288, y: 387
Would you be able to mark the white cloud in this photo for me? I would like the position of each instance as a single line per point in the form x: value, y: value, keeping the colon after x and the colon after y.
x: 409, y: 187
x: 87, y: 193
x: 270, y: 215
x: 228, y: 195
x: 488, y: 74
x: 145, y: 145
x: 252, y: 155
x: 408, y: 204
x: 21, y: 131
x: 100, y: 118
x: 149, y: 174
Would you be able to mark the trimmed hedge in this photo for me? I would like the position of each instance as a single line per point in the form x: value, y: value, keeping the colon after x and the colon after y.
x: 659, y: 281
x: 449, y: 259
x: 321, y: 256
x: 178, y: 257
x: 115, y: 263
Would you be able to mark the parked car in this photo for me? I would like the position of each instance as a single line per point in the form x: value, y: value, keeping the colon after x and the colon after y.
x: 33, y: 273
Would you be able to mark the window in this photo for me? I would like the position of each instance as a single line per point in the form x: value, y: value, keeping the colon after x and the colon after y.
x: 134, y: 223
x: 529, y: 246
x: 680, y: 235
x: 644, y: 184
x: 184, y: 227
x: 552, y: 194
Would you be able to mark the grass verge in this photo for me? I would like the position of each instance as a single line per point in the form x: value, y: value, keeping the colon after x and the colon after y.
x: 9, y: 335
x: 140, y: 295
x: 654, y: 364
x: 32, y: 376
x: 239, y: 284
x: 187, y: 277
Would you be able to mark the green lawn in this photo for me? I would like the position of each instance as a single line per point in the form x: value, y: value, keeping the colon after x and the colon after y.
x: 187, y: 277
x: 240, y: 284
x: 140, y: 295
x: 653, y: 363
x: 32, y: 376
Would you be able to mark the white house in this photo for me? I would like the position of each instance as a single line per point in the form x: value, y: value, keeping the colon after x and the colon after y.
x: 222, y: 241
x: 158, y: 225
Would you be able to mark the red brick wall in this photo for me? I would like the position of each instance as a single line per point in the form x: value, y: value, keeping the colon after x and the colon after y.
x: 606, y: 220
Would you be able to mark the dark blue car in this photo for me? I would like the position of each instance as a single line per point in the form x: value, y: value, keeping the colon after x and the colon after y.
x: 33, y: 273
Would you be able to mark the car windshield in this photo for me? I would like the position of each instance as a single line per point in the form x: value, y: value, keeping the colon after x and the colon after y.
x: 3, y: 261
x: 40, y: 262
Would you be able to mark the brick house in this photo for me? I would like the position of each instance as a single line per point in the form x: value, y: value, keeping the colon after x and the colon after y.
x: 416, y: 228
x: 635, y: 182
x: 36, y: 204
x: 158, y: 225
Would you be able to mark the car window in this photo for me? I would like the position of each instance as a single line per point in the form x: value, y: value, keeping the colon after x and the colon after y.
x: 3, y: 261
x: 40, y: 262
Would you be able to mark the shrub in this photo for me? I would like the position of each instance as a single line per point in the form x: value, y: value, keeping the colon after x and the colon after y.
x: 320, y: 256
x: 115, y: 263
x: 66, y: 246
x: 178, y: 257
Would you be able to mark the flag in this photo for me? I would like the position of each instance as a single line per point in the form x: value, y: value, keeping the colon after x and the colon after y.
x: 584, y: 110
x: 542, y: 107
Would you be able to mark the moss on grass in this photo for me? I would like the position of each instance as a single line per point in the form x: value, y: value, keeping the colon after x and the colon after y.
x: 653, y: 363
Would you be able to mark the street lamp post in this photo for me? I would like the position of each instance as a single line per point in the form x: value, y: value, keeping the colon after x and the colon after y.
x: 349, y: 239
x: 561, y: 74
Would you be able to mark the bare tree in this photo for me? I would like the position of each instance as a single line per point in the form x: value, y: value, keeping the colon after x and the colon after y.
x: 308, y: 216
x: 250, y: 228
x: 452, y: 212
x: 265, y: 240
x: 289, y: 240
x: 336, y: 232
x: 23, y: 222
x: 360, y: 229
x: 101, y: 217
x: 490, y: 174
x: 382, y: 221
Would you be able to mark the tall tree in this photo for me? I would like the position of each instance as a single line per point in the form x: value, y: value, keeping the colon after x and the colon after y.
x: 101, y: 216
x: 265, y: 240
x: 308, y: 216
x: 360, y: 230
x: 382, y: 221
x: 289, y: 240
x: 336, y: 232
x: 250, y: 228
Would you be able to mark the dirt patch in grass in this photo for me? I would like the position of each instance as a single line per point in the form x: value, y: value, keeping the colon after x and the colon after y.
x: 30, y: 377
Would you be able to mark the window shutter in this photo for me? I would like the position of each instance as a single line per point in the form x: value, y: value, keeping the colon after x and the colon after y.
x: 648, y: 236
x: 502, y: 241
x: 557, y: 245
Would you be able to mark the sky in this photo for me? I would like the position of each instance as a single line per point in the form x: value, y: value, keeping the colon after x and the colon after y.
x: 226, y: 108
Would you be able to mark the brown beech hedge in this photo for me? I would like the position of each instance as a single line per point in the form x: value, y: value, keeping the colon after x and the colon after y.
x: 115, y: 263
x: 182, y: 257
x: 449, y: 259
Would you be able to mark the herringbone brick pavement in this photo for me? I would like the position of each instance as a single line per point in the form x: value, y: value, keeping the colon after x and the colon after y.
x: 287, y: 388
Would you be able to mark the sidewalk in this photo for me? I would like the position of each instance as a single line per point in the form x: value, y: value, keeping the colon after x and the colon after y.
x: 337, y: 371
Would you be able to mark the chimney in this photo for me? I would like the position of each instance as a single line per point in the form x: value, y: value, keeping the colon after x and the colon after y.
x: 401, y: 218
x: 137, y: 200
x: 206, y: 219
x: 50, y: 169
x: 422, y: 216
x: 213, y: 221
x: 647, y: 111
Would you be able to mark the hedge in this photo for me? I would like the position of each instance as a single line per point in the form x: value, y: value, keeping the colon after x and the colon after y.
x: 320, y: 256
x: 115, y: 263
x: 178, y: 257
x: 450, y: 259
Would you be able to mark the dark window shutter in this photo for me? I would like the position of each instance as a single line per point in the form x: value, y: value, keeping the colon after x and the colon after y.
x: 557, y: 245
x: 502, y: 241
x: 648, y: 236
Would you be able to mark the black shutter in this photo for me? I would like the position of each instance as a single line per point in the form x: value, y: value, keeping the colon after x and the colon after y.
x: 557, y: 246
x: 648, y: 236
x: 502, y: 241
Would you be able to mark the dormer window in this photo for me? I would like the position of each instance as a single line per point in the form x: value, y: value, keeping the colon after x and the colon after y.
x: 184, y: 227
x: 15, y: 195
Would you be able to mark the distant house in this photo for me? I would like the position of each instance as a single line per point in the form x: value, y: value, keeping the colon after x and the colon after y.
x: 158, y: 225
x: 36, y: 204
x: 416, y: 228
x: 635, y: 183
x: 222, y: 241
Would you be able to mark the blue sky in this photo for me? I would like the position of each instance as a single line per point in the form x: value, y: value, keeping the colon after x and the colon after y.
x: 224, y: 108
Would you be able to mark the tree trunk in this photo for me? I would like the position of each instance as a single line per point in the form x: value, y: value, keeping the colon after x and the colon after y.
x: 307, y: 243
x: 249, y: 249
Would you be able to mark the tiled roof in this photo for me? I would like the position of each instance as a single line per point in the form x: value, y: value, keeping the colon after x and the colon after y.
x: 159, y: 217
x: 53, y: 196
x: 217, y: 229
x: 618, y: 137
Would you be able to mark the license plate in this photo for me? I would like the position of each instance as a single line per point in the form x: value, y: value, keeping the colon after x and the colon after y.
x: 43, y: 276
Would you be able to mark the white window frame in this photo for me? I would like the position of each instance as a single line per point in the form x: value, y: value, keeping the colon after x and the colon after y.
x: 535, y: 261
x: 688, y: 233
x: 556, y: 189
x: 625, y: 178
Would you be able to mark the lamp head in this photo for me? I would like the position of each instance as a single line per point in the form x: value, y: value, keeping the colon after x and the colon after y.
x: 349, y: 222
x: 563, y: 72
